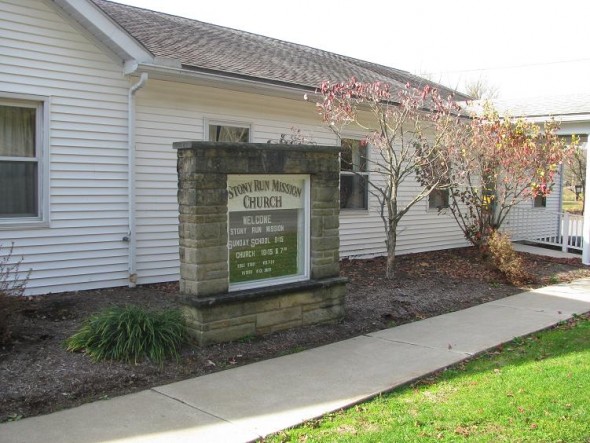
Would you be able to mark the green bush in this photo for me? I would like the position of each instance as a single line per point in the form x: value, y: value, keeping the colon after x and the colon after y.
x: 130, y: 333
x: 506, y: 260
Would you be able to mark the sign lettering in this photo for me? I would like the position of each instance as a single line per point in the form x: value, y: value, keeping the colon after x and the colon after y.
x: 265, y: 227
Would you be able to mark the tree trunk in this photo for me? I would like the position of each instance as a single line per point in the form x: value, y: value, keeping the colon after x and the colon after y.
x: 391, y: 243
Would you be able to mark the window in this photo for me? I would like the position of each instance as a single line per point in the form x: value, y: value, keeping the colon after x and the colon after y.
x: 229, y: 133
x: 353, y: 175
x: 540, y: 201
x: 21, y: 165
x: 438, y: 199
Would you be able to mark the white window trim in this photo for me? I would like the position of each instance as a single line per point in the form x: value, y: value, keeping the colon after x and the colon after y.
x: 42, y: 104
x: 305, y: 242
x: 232, y: 123
x: 356, y: 211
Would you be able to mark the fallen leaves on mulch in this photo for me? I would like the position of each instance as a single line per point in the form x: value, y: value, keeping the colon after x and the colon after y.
x: 38, y: 376
x: 463, y: 264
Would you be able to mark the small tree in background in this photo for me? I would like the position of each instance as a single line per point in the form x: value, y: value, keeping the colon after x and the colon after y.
x: 407, y: 130
x: 501, y: 163
x: 481, y: 89
x: 577, y: 169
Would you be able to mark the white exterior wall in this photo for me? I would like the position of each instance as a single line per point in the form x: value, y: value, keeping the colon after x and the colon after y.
x: 82, y: 247
x: 169, y: 112
x: 543, y: 222
x: 42, y: 55
x: 421, y: 229
x: 525, y: 222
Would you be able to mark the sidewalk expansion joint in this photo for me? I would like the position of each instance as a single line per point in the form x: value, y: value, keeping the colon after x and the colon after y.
x: 435, y: 348
x: 537, y: 310
x: 155, y: 390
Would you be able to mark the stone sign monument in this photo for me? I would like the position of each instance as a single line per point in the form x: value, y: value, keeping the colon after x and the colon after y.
x: 258, y: 238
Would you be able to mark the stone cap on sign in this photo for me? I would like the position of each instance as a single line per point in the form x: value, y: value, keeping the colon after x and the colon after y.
x: 255, y: 146
x: 257, y: 158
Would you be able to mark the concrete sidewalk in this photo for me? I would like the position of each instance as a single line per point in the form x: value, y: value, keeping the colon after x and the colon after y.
x: 245, y: 403
x: 547, y: 252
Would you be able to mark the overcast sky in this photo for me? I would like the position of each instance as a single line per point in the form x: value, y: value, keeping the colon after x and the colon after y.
x: 523, y: 48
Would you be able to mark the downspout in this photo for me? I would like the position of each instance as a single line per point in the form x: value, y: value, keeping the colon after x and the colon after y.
x: 560, y: 187
x: 560, y: 210
x: 131, y: 236
x: 586, y: 225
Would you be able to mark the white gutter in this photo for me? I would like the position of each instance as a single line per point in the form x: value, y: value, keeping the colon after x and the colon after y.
x: 586, y: 225
x: 166, y: 70
x: 131, y: 236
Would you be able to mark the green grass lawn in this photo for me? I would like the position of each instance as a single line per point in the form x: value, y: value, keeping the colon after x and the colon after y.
x: 569, y: 202
x: 535, y: 389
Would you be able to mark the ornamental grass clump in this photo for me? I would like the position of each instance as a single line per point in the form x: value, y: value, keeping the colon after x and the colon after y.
x: 130, y: 334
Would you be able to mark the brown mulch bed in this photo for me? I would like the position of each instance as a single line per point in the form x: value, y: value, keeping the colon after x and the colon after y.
x: 38, y: 376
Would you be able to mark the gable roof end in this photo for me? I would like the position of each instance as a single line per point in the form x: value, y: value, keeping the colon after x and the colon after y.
x: 105, y: 30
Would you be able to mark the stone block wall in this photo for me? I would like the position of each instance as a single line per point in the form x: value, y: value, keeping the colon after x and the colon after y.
x: 263, y: 311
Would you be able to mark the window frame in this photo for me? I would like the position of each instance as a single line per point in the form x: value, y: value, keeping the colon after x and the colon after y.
x: 41, y: 104
x: 304, y: 242
x: 229, y: 123
x: 543, y: 202
x: 365, y: 174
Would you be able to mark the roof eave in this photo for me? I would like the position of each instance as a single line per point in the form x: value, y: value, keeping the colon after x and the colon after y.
x: 167, y: 69
x: 569, y: 118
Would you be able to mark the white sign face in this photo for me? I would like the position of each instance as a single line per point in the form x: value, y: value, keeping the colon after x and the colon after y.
x: 268, y: 229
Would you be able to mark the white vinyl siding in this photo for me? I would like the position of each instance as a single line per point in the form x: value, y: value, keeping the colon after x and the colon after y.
x: 82, y: 247
x: 169, y: 112
x: 363, y: 234
x: 42, y: 55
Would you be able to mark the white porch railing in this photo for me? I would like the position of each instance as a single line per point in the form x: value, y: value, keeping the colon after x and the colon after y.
x: 545, y: 227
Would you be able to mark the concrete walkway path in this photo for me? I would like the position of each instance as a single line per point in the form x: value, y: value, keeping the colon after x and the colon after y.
x: 245, y: 403
x: 548, y: 252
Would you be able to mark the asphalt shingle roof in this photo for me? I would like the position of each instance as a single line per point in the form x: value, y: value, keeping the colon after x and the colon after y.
x: 572, y: 104
x: 211, y: 48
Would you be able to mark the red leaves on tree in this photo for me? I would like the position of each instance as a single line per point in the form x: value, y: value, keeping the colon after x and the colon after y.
x: 499, y: 163
x: 404, y: 128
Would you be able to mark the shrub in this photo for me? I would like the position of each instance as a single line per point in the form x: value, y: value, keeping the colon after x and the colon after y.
x: 12, y: 284
x: 506, y: 260
x: 5, y: 310
x: 130, y: 333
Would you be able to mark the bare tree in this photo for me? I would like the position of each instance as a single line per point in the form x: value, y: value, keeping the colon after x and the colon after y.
x: 407, y: 131
x: 481, y: 89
